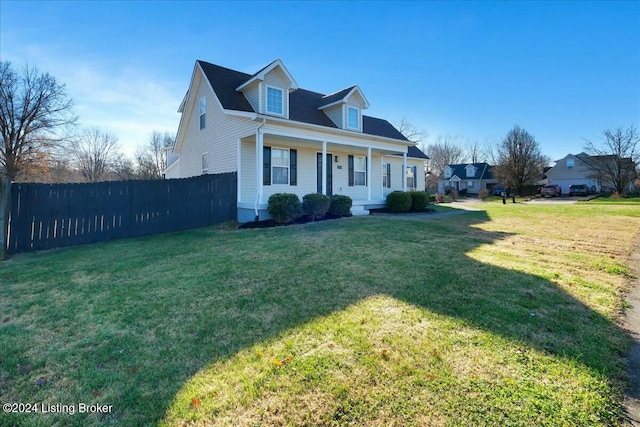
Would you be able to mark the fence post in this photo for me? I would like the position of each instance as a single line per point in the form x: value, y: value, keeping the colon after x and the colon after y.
x: 5, y: 208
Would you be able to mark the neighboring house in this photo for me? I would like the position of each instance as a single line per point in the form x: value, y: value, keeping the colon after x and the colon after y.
x: 471, y: 177
x: 579, y: 169
x: 280, y: 138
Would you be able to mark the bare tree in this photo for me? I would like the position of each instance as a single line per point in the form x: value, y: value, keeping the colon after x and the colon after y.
x: 446, y: 150
x: 519, y: 160
x: 95, y: 153
x: 33, y: 107
x: 475, y: 151
x: 413, y: 133
x: 614, y: 160
x: 151, y: 158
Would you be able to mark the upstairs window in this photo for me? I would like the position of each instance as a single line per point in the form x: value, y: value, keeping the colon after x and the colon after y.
x: 471, y: 171
x: 353, y: 121
x: 447, y: 172
x: 203, y: 112
x: 570, y: 163
x: 275, y: 102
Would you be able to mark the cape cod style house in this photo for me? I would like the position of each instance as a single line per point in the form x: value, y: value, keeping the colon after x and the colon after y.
x: 469, y: 177
x: 280, y: 138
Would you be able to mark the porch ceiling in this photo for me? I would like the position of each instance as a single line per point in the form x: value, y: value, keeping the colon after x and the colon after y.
x: 316, y: 144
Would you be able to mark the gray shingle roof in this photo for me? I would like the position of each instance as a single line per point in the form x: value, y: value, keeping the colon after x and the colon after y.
x: 482, y: 171
x: 303, y: 104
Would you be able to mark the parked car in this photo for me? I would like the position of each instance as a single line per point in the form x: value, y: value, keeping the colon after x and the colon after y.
x: 551, y: 190
x: 578, y: 190
x: 497, y: 190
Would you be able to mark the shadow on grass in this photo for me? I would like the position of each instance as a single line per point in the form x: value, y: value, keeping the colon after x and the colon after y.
x: 156, y: 310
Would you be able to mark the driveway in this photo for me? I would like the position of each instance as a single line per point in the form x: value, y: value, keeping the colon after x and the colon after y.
x: 562, y: 199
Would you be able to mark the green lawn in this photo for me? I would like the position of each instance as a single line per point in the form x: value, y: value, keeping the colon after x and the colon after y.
x: 507, y: 316
x: 633, y: 199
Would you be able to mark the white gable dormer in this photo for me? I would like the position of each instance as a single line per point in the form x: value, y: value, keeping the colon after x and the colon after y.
x: 470, y: 171
x: 268, y: 90
x: 345, y: 108
x: 447, y: 172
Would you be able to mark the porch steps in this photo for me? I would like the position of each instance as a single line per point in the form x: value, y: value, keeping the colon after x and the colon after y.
x: 359, y: 210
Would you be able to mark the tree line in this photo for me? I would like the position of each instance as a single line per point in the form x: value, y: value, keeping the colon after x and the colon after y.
x: 518, y: 161
x: 42, y: 142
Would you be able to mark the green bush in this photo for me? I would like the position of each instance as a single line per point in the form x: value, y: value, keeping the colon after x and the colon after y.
x: 315, y: 205
x: 419, y: 200
x: 399, y: 201
x: 284, y: 207
x: 340, y: 205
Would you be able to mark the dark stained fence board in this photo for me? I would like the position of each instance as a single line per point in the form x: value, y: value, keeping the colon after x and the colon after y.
x: 45, y: 216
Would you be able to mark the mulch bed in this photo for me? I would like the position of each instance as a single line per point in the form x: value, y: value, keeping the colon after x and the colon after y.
x: 268, y: 223
x: 387, y: 211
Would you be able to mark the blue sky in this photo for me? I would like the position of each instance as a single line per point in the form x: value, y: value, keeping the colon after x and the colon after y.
x: 561, y: 70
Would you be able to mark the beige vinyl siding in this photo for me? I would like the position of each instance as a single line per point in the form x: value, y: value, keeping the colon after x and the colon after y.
x: 355, y: 100
x: 276, y: 78
x: 248, y: 171
x: 335, y: 114
x: 218, y: 138
x: 252, y: 94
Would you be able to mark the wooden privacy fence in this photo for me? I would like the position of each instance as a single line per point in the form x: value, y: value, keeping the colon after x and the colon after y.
x: 45, y: 216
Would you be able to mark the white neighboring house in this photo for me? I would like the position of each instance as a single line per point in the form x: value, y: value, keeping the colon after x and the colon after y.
x: 280, y: 138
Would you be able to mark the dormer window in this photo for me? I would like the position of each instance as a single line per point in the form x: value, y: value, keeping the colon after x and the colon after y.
x: 570, y: 163
x: 447, y: 172
x: 275, y: 102
x: 471, y: 171
x: 353, y: 115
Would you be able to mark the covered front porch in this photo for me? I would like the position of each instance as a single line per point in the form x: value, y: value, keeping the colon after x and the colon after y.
x: 275, y: 160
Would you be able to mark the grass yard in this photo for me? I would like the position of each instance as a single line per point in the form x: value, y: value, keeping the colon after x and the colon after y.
x: 506, y: 317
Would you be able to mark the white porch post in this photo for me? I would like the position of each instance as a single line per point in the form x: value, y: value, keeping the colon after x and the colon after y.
x: 368, y: 173
x: 324, y: 167
x: 259, y: 162
x: 404, y: 172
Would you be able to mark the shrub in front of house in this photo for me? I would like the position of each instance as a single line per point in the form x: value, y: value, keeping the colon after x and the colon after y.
x: 315, y: 205
x: 284, y: 207
x: 419, y: 200
x: 399, y: 201
x: 340, y: 205
x: 483, y: 194
x: 454, y: 196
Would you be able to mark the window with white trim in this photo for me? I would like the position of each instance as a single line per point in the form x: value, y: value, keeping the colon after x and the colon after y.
x: 280, y: 166
x: 205, y: 163
x: 447, y: 172
x: 469, y: 184
x: 203, y: 112
x: 411, y: 177
x: 353, y: 116
x: 571, y: 163
x: 275, y: 101
x: 471, y: 171
x: 360, y: 170
x: 386, y: 175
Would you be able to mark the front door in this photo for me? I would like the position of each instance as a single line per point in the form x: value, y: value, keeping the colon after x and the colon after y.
x: 329, y: 173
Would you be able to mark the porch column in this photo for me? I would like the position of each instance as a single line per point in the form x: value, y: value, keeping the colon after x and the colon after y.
x: 323, y: 165
x: 259, y: 162
x: 404, y: 171
x: 384, y: 172
x: 368, y: 173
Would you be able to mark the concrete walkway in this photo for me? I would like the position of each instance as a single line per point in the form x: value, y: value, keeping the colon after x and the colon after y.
x: 632, y: 324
